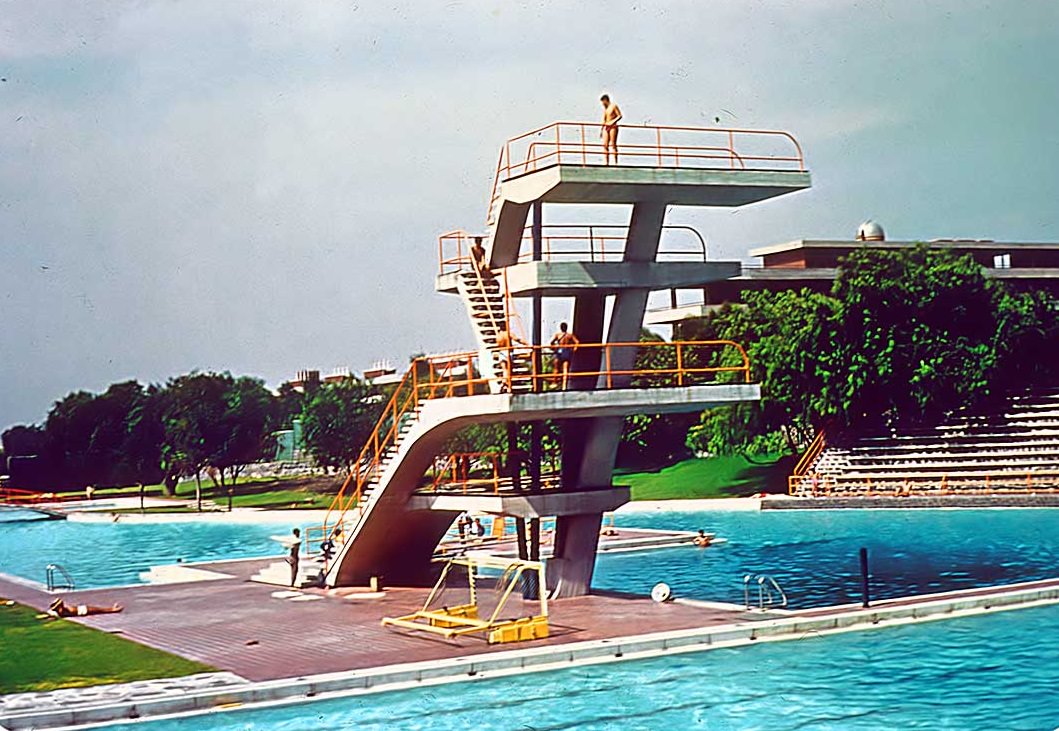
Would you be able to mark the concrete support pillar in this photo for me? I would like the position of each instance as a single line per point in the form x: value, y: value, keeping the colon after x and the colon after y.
x: 570, y: 570
x: 589, y: 446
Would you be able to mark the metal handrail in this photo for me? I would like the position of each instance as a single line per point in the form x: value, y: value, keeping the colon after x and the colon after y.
x: 67, y: 581
x: 765, y: 586
x: 907, y: 484
x: 659, y: 146
x: 454, y: 246
x: 458, y: 374
x: 811, y: 453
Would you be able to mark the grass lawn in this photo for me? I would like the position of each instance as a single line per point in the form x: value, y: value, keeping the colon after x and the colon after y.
x: 278, y: 499
x: 710, y: 478
x: 49, y: 654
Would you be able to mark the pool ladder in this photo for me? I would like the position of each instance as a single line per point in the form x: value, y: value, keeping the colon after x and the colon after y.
x: 58, y: 578
x: 768, y: 592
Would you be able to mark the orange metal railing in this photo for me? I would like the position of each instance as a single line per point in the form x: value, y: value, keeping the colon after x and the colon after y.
x: 579, y: 143
x: 454, y: 251
x: 815, y: 484
x: 669, y: 364
x: 482, y: 473
x: 14, y: 496
x: 596, y: 243
x: 811, y: 453
x: 468, y: 470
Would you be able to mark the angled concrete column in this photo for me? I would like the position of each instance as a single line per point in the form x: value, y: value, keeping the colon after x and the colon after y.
x: 570, y: 569
x: 589, y: 446
x: 507, y: 235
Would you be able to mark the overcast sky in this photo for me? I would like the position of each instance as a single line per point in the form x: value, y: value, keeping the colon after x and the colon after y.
x: 258, y: 187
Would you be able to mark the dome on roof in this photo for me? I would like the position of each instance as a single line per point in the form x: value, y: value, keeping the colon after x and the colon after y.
x: 870, y: 231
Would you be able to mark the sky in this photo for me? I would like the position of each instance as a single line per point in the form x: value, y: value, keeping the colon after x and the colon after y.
x: 258, y: 187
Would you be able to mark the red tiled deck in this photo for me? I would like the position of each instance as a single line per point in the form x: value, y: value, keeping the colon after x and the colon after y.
x: 235, y: 625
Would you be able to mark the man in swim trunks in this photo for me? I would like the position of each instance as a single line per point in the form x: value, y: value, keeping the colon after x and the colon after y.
x: 504, y: 342
x: 609, y: 130
x: 565, y: 343
x: 292, y: 557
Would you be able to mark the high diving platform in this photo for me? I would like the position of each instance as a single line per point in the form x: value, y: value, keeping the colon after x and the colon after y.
x: 382, y: 526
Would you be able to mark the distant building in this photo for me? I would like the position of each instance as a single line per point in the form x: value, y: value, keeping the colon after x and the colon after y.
x: 814, y: 264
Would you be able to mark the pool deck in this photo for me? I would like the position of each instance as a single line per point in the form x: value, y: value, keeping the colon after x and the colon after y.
x: 236, y: 625
x: 323, y: 644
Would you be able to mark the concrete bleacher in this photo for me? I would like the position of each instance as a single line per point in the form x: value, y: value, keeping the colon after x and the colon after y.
x: 1013, y: 447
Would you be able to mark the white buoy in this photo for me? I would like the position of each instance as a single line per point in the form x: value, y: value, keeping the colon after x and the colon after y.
x: 661, y: 592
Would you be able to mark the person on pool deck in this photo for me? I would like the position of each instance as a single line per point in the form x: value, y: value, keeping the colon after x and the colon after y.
x: 609, y: 131
x: 327, y: 547
x: 59, y: 608
x: 565, y: 343
x: 504, y: 342
x: 292, y: 559
x: 702, y: 540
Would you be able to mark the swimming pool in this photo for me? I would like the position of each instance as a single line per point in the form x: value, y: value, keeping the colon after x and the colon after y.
x: 110, y: 554
x: 998, y: 672
x: 812, y: 553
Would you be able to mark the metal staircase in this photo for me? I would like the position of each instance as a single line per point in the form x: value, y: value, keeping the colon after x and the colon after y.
x: 488, y: 309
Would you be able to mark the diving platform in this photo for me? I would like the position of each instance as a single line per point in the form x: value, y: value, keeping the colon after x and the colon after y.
x: 397, y: 531
x: 383, y: 525
x: 526, y: 505
x: 570, y: 278
x: 678, y: 186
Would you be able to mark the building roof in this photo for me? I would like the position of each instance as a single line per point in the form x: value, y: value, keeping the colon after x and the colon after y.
x: 983, y: 244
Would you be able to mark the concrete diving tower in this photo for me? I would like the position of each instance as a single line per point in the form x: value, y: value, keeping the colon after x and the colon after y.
x: 399, y: 526
x: 398, y: 529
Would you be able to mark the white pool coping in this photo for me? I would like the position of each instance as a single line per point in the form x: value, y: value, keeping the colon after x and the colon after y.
x: 305, y: 689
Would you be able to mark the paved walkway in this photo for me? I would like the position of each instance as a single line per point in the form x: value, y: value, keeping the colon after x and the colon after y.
x: 236, y: 625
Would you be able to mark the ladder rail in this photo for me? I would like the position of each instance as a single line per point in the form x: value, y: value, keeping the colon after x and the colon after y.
x: 67, y: 581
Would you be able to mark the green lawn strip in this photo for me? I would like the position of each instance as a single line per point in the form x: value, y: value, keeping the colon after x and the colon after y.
x: 278, y: 499
x: 714, y: 477
x: 41, y: 655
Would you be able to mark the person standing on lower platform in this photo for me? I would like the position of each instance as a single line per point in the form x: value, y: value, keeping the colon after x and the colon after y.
x: 292, y: 559
x: 564, y: 342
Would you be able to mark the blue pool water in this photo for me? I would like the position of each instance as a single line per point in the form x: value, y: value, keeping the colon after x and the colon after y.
x: 814, y: 554
x: 110, y: 554
x: 994, y: 672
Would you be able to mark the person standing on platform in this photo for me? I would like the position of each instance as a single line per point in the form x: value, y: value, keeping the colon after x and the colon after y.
x: 478, y: 258
x: 505, y: 341
x: 564, y: 342
x: 609, y: 131
x: 292, y: 558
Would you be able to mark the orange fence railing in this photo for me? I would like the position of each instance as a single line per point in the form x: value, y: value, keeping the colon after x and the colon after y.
x: 14, y: 496
x: 595, y: 243
x: 488, y: 473
x: 448, y: 376
x: 811, y: 453
x: 969, y: 482
x: 468, y: 471
x: 579, y: 143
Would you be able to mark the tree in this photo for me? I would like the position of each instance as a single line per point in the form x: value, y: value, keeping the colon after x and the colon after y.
x: 915, y: 337
x: 905, y: 336
x: 337, y: 419
x: 286, y: 406
x: 192, y: 414
x: 788, y: 337
x: 240, y: 435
